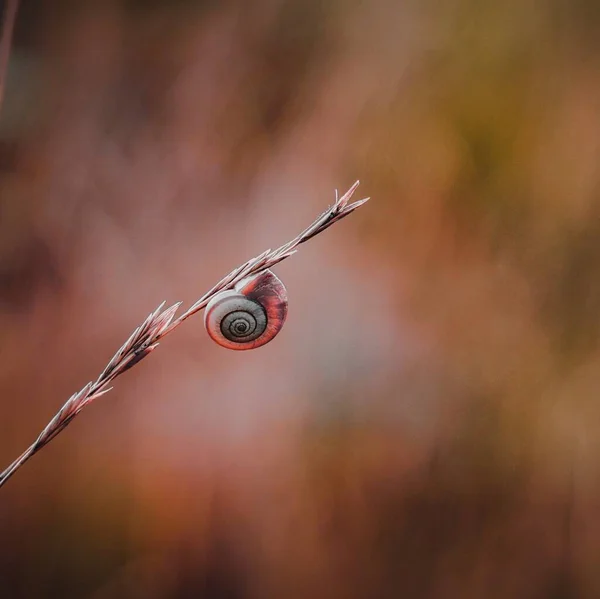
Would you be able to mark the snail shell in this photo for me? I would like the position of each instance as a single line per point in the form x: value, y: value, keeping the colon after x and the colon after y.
x: 250, y: 314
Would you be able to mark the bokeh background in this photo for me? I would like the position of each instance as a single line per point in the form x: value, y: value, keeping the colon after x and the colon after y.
x: 427, y: 424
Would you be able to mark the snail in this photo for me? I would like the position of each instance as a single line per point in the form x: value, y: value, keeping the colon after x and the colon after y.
x: 250, y: 314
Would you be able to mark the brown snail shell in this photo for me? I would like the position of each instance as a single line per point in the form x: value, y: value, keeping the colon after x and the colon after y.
x: 250, y: 314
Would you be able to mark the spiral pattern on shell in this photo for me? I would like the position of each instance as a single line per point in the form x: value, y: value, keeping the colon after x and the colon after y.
x: 250, y: 315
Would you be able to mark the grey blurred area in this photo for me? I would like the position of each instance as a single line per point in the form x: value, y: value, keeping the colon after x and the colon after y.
x: 426, y: 424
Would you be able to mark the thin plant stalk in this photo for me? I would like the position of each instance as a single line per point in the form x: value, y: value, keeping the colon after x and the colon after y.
x: 162, y: 321
x: 9, y: 18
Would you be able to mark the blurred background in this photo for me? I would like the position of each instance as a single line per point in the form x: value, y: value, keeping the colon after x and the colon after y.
x: 427, y: 423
